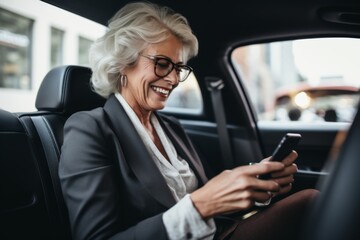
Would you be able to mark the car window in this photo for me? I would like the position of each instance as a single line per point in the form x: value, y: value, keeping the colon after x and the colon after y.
x: 15, y: 35
x: 186, y: 97
x: 33, y: 42
x: 301, y: 80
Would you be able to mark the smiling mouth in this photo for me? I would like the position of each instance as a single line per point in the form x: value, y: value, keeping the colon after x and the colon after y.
x: 162, y: 91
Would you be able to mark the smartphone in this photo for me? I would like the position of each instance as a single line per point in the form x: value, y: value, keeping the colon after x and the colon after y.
x: 284, y: 148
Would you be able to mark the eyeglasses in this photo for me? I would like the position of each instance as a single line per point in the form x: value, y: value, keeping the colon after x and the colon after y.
x: 163, y: 66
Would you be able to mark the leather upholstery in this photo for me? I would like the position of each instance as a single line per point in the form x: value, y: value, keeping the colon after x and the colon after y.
x: 67, y: 89
x: 23, y: 207
x: 31, y: 200
x: 336, y: 213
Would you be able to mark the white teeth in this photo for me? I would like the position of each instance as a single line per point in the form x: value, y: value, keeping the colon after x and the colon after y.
x: 160, y: 90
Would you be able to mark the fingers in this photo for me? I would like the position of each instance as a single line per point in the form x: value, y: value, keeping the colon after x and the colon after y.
x: 290, y: 167
x: 284, y: 180
x: 285, y: 184
x: 289, y: 170
x: 289, y: 159
x: 262, y: 196
x: 259, y: 169
x: 265, y: 159
x: 246, y: 199
x: 283, y: 190
x: 237, y: 189
x: 261, y: 185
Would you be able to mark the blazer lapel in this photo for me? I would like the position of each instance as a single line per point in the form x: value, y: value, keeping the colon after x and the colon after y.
x: 183, y: 150
x: 136, y: 153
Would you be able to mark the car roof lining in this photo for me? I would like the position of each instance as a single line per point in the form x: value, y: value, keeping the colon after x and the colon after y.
x: 248, y: 16
x: 285, y: 21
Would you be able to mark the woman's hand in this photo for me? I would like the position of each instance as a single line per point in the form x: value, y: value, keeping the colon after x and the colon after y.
x: 284, y: 177
x: 238, y: 189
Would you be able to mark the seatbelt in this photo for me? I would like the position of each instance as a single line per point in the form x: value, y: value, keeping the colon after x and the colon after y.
x: 52, y: 154
x: 215, y: 86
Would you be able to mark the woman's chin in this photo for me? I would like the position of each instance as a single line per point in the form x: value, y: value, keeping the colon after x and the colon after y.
x: 158, y: 106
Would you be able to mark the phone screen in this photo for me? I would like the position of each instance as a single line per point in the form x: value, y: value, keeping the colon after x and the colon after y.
x: 284, y: 148
x: 286, y: 145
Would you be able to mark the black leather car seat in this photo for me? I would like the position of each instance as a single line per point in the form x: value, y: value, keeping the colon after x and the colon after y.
x: 23, y: 203
x: 336, y: 214
x: 64, y: 91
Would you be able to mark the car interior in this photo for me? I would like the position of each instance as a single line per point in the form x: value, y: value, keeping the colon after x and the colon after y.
x: 37, y: 201
x: 227, y: 132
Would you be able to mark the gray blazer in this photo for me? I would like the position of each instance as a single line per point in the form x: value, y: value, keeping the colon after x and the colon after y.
x: 111, y: 186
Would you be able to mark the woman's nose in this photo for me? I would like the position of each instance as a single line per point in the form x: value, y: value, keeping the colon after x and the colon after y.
x: 173, y: 77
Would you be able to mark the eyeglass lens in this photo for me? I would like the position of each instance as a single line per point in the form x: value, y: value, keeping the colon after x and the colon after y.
x: 164, y: 66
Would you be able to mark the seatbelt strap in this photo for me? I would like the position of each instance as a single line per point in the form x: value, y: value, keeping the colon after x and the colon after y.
x: 52, y: 154
x: 215, y: 86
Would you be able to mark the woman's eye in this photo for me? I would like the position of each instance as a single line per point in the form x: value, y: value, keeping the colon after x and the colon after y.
x: 163, y: 64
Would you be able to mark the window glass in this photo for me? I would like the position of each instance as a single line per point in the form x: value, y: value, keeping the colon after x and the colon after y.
x: 66, y: 43
x: 84, y: 46
x: 57, y: 41
x: 29, y: 48
x: 15, y: 41
x: 186, y: 97
x: 302, y: 80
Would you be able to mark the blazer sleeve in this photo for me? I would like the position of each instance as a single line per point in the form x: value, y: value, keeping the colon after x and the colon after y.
x: 90, y: 187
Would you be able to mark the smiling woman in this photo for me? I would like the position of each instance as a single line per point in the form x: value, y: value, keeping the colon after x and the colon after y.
x: 137, y: 171
x: 132, y: 165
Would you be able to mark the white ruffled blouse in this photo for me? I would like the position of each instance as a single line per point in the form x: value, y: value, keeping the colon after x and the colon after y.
x: 182, y: 221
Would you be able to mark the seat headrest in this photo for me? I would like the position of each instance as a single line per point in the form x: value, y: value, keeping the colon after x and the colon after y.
x: 67, y: 89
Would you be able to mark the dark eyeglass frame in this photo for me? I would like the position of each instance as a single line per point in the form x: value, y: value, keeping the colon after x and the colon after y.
x: 176, y: 66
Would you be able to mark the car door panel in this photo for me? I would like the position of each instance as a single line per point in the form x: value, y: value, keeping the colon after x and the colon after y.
x: 204, y: 136
x: 314, y: 149
x: 319, y: 144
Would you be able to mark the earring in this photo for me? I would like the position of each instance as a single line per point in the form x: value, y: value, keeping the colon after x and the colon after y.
x: 123, y: 80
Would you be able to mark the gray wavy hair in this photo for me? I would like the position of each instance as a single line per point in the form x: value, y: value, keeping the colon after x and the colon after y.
x: 130, y: 31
